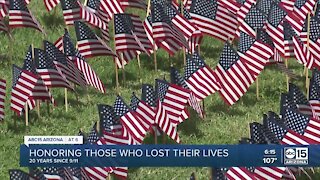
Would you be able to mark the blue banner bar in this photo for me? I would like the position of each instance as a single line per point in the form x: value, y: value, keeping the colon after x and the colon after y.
x: 168, y: 155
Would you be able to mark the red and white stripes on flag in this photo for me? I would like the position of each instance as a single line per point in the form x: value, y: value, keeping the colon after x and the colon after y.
x: 187, y: 4
x: 71, y: 11
x: 20, y: 18
x: 194, y: 103
x: 2, y: 97
x: 4, y: 8
x: 303, y: 55
x: 91, y: 18
x: 223, y: 27
x: 111, y: 7
x: 175, y: 101
x: 265, y: 173
x: 116, y: 139
x: 141, y: 33
x: 146, y: 114
x: 89, y: 74
x: 293, y: 138
x: 97, y: 173
x: 203, y: 83
x: 314, y: 49
x: 235, y: 173
x: 50, y: 4
x: 162, y: 120
x: 40, y: 92
x: 256, y: 57
x: 288, y: 4
x: 232, y: 5
x: 59, y: 43
x: 312, y: 130
x: 132, y: 126
x: 22, y: 91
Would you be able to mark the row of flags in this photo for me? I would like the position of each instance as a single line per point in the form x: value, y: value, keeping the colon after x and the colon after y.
x: 50, y: 68
x: 297, y: 124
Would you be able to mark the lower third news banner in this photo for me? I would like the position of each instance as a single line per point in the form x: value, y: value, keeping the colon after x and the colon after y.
x: 168, y: 155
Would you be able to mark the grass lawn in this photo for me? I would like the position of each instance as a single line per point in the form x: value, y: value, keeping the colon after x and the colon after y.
x: 222, y: 125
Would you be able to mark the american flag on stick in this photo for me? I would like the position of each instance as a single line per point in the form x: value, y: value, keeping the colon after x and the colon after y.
x: 177, y: 79
x: 51, y: 4
x: 200, y: 77
x: 126, y: 42
x: 41, y: 91
x: 255, y: 53
x: 89, y: 44
x: 23, y: 83
x: 89, y: 74
x: 130, y: 121
x: 64, y: 64
x: 235, y: 173
x: 71, y: 11
x: 2, y: 97
x: 93, y: 19
x: 48, y: 72
x: 164, y: 33
x: 254, y: 20
x: 108, y: 120
x: 174, y: 99
x: 16, y: 174
x: 20, y: 16
x: 233, y: 75
x: 213, y: 19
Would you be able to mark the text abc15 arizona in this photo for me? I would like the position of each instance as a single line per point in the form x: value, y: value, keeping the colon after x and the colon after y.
x: 296, y: 156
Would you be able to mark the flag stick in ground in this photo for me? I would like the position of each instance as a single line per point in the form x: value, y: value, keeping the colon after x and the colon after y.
x: 155, y: 130
x: 183, y: 48
x: 38, y: 101
x: 287, y: 76
x: 66, y: 98
x: 203, y: 103
x: 115, y: 63
x: 139, y: 66
x: 155, y: 57
x: 26, y: 114
x: 308, y: 42
x: 123, y: 70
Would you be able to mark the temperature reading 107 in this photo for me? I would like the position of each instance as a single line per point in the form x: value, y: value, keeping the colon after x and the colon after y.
x: 269, y: 160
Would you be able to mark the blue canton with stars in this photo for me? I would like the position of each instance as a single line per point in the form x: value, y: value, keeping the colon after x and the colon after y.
x: 177, y: 79
x: 120, y: 107
x: 295, y: 120
x: 83, y: 32
x: 228, y: 57
x: 107, y: 117
x: 204, y: 8
x: 148, y: 95
x: 245, y: 42
x: 276, y: 15
x: 162, y: 87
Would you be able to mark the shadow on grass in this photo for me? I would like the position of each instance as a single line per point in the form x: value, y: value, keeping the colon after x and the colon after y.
x: 190, y: 126
x: 224, y: 109
x: 52, y: 20
x: 72, y: 100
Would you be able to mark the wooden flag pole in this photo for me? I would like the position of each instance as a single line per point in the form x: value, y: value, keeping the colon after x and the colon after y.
x: 38, y: 102
x: 155, y: 135
x: 26, y: 113
x: 123, y: 70
x: 115, y: 63
x: 203, y: 103
x: 139, y: 66
x: 308, y: 44
x: 257, y: 88
x: 66, y: 98
x: 287, y: 76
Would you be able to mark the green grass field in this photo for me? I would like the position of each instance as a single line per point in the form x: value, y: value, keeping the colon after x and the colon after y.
x: 222, y: 125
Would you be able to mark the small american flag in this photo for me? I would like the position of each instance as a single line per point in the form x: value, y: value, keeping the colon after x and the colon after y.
x: 71, y: 11
x: 174, y: 99
x: 108, y: 120
x: 111, y: 7
x: 50, y: 4
x: 89, y: 44
x: 48, y: 72
x: 314, y: 92
x: 72, y: 53
x: 255, y: 53
x: 177, y: 79
x: 64, y: 65
x: 20, y: 16
x: 213, y: 19
x: 285, y: 135
x: 2, y: 97
x: 314, y: 40
x: 164, y: 123
x: 16, y: 174
x: 41, y: 91
x: 274, y: 27
x: 125, y: 41
x: 130, y: 121
x: 94, y: 6
x: 164, y: 33
x: 23, y: 83
x: 182, y: 22
x: 199, y: 77
x: 233, y: 75
x: 302, y: 53
x: 141, y: 34
x: 93, y: 19
x: 52, y: 173
x: 144, y: 112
